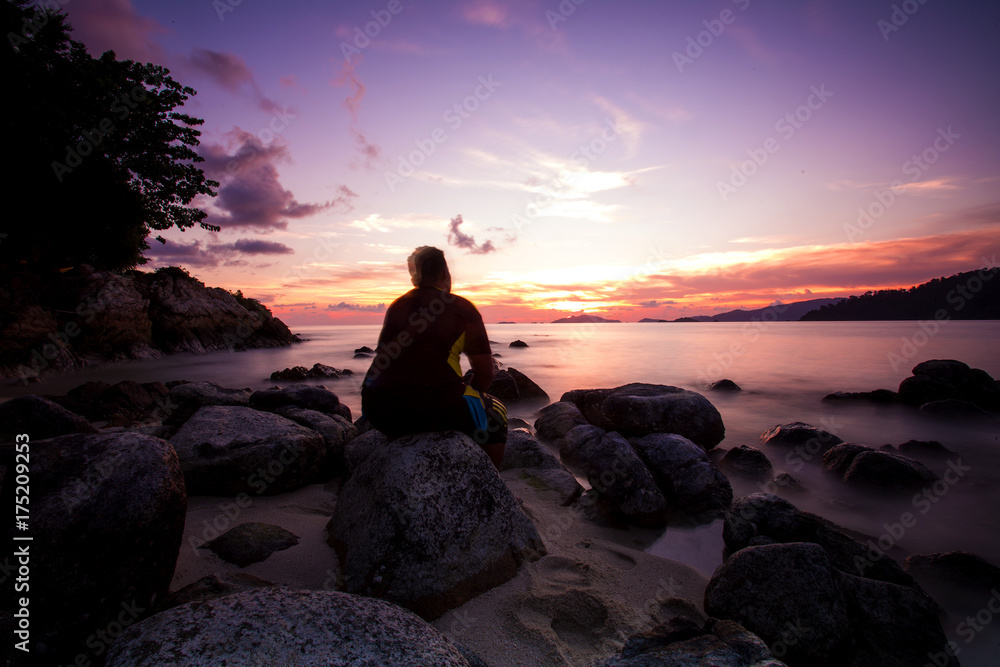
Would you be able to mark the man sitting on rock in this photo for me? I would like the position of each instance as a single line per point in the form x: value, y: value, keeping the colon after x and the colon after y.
x: 415, y: 383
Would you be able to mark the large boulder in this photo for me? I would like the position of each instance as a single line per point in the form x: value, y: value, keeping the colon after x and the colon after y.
x: 106, y: 521
x: 360, y: 448
x: 688, y: 479
x: 527, y: 390
x: 769, y: 589
x: 766, y: 518
x: 835, y: 618
x: 556, y: 420
x: 40, y: 418
x: 888, y: 471
x: 183, y: 400
x: 310, y: 397
x: 639, y: 409
x: 426, y: 522
x: 227, y: 450
x: 281, y: 626
x: 574, y: 447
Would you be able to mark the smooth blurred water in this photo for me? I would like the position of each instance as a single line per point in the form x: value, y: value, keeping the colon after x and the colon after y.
x: 784, y: 368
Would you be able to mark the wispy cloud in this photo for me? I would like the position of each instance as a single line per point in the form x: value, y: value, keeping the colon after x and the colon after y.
x: 459, y: 239
x: 231, y: 72
x: 367, y: 151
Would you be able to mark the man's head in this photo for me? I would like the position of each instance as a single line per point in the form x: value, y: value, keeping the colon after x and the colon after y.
x: 428, y: 268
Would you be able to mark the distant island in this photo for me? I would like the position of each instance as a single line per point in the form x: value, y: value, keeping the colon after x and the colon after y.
x: 584, y: 319
x: 973, y: 295
x: 506, y: 322
x: 777, y: 312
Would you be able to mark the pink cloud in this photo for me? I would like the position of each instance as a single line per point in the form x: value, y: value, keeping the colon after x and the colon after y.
x: 115, y: 25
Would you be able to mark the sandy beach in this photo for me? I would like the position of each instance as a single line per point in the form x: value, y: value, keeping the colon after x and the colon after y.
x: 574, y: 606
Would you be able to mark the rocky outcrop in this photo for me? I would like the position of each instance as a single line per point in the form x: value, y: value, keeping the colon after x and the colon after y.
x: 426, y: 522
x: 107, y: 517
x: 777, y: 590
x: 282, y: 626
x: 85, y: 317
x: 227, y: 450
x: 690, y: 641
x: 40, y: 418
x: 250, y: 542
x: 310, y: 397
x: 639, y: 409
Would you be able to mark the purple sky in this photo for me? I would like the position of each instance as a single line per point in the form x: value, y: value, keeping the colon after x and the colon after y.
x: 630, y: 159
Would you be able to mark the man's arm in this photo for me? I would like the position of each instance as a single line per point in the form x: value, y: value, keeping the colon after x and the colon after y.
x: 482, y: 368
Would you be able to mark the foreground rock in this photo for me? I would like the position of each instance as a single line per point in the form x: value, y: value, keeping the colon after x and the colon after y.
x: 336, y: 432
x: 426, y: 522
x: 747, y: 462
x: 556, y: 420
x: 763, y: 518
x: 227, y: 450
x: 689, y: 641
x: 623, y: 481
x: 281, y: 626
x: 887, y: 471
x: 250, y: 542
x: 640, y: 409
x: 40, y: 418
x: 187, y: 398
x: 360, y: 448
x: 793, y: 593
x: 107, y: 517
x: 524, y: 451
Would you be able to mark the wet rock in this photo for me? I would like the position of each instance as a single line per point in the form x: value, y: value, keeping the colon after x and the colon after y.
x: 426, y: 522
x: 364, y: 349
x: 555, y: 420
x: 885, y: 471
x: 953, y: 408
x: 930, y: 448
x: 227, y: 450
x: 955, y: 568
x: 183, y: 400
x: 688, y: 480
x: 360, y: 448
x: 724, y: 385
x: 250, y: 542
x: 301, y: 373
x: 801, y: 437
x: 943, y: 379
x: 40, y: 418
x: 575, y: 446
x: 639, y: 409
x: 107, y: 518
x: 310, y: 397
x: 281, y: 626
x: 526, y: 388
x: 746, y: 461
x: 518, y: 343
x: 786, y: 483
x: 504, y: 387
x: 878, y: 396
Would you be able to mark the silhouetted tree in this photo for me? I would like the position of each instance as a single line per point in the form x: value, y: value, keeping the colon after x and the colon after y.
x: 100, y: 158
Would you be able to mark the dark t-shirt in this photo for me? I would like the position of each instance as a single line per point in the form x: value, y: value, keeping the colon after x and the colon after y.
x: 424, y: 333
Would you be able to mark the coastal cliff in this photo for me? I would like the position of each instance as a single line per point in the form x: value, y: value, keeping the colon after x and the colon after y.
x: 85, y: 317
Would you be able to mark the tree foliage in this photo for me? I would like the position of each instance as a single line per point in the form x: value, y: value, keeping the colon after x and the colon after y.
x: 100, y: 157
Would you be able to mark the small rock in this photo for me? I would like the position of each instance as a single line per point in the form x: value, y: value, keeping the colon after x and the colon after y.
x: 746, y: 461
x: 809, y: 439
x: 724, y: 385
x: 250, y: 542
x: 518, y: 343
